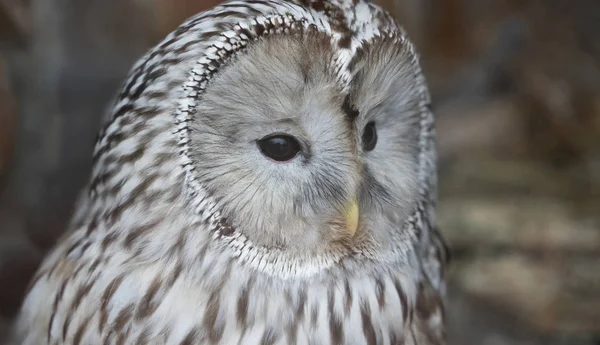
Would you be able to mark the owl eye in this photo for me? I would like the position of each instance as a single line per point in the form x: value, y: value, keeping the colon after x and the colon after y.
x: 369, y: 137
x: 280, y: 148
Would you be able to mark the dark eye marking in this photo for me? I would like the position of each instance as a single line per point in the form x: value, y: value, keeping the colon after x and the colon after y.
x: 369, y: 137
x: 279, y: 147
x: 350, y: 109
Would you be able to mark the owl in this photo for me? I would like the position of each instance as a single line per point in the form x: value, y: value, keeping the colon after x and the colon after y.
x: 267, y: 176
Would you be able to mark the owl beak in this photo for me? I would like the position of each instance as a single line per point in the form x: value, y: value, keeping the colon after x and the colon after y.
x: 351, y: 215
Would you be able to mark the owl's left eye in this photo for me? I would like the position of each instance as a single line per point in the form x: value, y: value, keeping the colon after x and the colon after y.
x: 280, y: 148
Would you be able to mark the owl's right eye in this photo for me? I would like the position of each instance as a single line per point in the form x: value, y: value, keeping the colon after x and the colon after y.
x: 280, y: 148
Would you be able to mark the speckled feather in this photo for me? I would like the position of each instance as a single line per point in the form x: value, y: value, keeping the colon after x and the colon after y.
x: 150, y: 258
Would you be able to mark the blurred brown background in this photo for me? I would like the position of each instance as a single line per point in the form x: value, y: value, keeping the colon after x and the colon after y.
x: 516, y: 90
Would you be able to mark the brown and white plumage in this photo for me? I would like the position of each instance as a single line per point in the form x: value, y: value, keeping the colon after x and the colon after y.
x: 189, y: 235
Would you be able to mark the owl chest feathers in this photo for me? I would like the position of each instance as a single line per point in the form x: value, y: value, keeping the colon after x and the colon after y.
x: 169, y: 304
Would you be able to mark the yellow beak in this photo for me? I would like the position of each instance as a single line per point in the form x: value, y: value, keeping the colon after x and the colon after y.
x: 351, y: 216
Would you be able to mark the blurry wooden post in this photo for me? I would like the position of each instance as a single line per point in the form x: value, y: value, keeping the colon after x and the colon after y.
x: 448, y: 37
x: 14, y: 29
x: 7, y: 122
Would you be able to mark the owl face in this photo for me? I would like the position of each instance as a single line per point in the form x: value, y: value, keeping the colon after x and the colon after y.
x: 297, y: 162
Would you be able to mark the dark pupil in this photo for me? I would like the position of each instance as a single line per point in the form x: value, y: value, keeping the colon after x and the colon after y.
x: 280, y: 148
x: 369, y: 137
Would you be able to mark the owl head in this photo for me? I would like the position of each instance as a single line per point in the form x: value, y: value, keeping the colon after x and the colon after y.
x: 300, y: 128
x: 300, y: 163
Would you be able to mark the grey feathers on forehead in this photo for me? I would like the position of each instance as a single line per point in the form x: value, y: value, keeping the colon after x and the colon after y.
x: 270, y: 79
